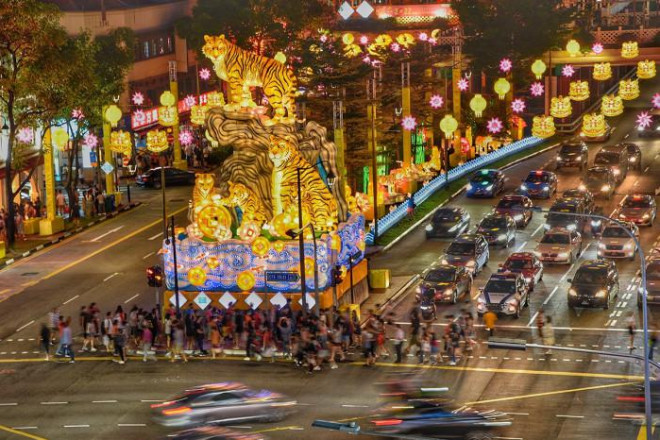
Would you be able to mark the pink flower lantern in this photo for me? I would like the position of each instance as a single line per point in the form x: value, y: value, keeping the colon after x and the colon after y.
x: 409, y: 123
x: 656, y: 100
x: 185, y: 137
x: 25, y: 135
x: 568, y: 71
x: 137, y: 98
x: 597, y: 48
x: 505, y: 65
x: 190, y: 100
x: 644, y: 120
x: 494, y: 125
x: 518, y: 105
x: 463, y: 84
x: 205, y: 74
x: 90, y: 140
x: 537, y: 89
x: 436, y: 101
x: 77, y: 113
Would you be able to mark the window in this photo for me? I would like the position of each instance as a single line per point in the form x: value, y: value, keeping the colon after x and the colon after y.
x: 155, y: 45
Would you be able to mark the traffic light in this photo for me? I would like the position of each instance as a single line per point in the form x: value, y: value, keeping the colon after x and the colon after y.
x: 155, y: 276
x: 337, y: 276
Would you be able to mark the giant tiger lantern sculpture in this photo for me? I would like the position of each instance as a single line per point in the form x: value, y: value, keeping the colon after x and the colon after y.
x: 242, y: 217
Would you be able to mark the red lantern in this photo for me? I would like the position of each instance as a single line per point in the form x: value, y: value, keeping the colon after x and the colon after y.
x: 465, y: 146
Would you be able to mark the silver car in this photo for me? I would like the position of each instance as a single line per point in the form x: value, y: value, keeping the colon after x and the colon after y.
x: 616, y: 243
x: 559, y: 245
x: 220, y: 403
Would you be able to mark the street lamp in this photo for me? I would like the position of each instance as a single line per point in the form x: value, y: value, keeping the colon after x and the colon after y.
x: 300, y: 234
x: 448, y: 125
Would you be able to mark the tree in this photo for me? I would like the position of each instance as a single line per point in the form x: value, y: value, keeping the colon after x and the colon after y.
x: 29, y: 33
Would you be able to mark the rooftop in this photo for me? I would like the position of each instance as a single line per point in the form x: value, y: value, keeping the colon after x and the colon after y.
x: 98, y: 5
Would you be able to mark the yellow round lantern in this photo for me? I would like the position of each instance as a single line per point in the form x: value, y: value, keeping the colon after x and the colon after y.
x: 157, y: 141
x: 646, y: 69
x: 573, y: 48
x: 543, y: 126
x: 278, y: 246
x: 538, y: 68
x: 383, y: 40
x: 630, y: 49
x: 578, y: 90
x: 448, y: 125
x: 560, y: 107
x: 112, y: 114
x: 197, y: 276
x: 502, y: 87
x: 602, y: 71
x: 59, y: 137
x: 212, y: 262
x: 629, y: 89
x: 405, y: 40
x: 210, y: 217
x: 280, y: 57
x: 611, y: 105
x: 347, y: 38
x: 245, y: 280
x: 260, y: 246
x: 478, y: 104
x: 167, y: 99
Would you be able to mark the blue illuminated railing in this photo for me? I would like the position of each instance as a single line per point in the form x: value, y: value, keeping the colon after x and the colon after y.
x: 392, y: 218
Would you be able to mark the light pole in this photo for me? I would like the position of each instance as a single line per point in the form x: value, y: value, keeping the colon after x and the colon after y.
x: 300, y: 234
x: 157, y: 143
x: 176, y: 271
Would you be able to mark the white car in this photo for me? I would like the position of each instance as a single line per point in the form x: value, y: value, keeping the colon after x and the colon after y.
x: 616, y: 243
x: 559, y: 245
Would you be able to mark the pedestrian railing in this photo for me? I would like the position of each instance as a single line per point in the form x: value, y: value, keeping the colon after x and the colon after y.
x: 439, y: 182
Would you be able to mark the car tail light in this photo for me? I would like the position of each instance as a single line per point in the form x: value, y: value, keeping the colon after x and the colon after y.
x: 387, y: 422
x: 630, y: 399
x: 162, y: 404
x: 176, y: 411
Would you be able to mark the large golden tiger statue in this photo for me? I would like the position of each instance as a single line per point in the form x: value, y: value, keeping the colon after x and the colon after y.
x: 203, y: 192
x: 317, y: 199
x: 241, y: 69
x: 243, y: 197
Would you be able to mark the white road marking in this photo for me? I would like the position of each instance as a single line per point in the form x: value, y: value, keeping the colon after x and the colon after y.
x: 26, y: 325
x: 9, y: 404
x: 54, y: 403
x: 537, y: 230
x: 517, y: 414
x: 354, y: 406
x: 647, y: 168
x: 131, y: 298
x: 151, y: 401
x: 148, y: 255
x: 155, y: 236
x: 69, y: 300
x: 76, y: 426
x: 131, y: 425
x: 110, y: 276
x: 595, y: 360
x: 569, y: 416
x: 104, y: 401
x: 613, y: 323
x: 529, y: 324
x: 24, y: 428
x: 547, y: 300
x: 521, y: 246
x: 94, y: 240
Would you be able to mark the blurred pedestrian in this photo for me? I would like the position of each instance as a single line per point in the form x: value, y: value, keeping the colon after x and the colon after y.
x: 399, y: 339
x: 147, y: 341
x: 490, y: 318
x: 631, y: 323
x: 44, y: 339
x: 540, y: 322
x: 66, y: 340
x: 120, y: 342
x: 548, y: 334
x: 178, y: 338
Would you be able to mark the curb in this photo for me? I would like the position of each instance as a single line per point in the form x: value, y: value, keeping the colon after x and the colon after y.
x: 68, y: 234
x: 453, y: 196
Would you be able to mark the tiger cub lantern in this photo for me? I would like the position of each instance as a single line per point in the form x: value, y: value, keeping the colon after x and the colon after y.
x: 242, y: 69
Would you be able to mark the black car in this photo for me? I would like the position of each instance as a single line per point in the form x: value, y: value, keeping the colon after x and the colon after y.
x: 573, y: 153
x: 498, y: 229
x: 505, y: 293
x: 173, y: 176
x: 518, y: 207
x: 428, y: 419
x: 559, y: 215
x: 485, y: 183
x: 583, y: 194
x: 595, y: 284
x: 600, y: 181
x: 634, y: 156
x: 448, y: 222
x: 213, y: 433
x: 651, y: 130
x: 446, y: 283
x: 469, y: 251
x: 616, y: 158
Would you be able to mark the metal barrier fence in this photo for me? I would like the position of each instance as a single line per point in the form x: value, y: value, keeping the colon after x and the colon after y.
x: 439, y: 182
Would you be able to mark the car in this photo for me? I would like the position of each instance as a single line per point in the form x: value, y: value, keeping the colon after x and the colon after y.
x: 559, y: 246
x: 616, y: 158
x: 518, y: 207
x: 220, y: 403
x: 583, y: 194
x: 600, y: 181
x: 601, y: 138
x: 173, y: 176
x: 559, y: 215
x: 539, y: 184
x: 595, y: 284
x: 652, y: 283
x: 527, y: 264
x: 446, y: 283
x: 615, y: 242
x: 469, y: 251
x: 505, y: 293
x: 485, y: 183
x: 651, y: 130
x: 213, y: 433
x: 573, y: 153
x: 637, y: 208
x: 423, y: 418
x: 448, y: 221
x: 634, y: 156
x: 498, y: 229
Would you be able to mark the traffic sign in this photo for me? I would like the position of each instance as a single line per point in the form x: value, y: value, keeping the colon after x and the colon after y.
x: 282, y: 276
x: 107, y: 167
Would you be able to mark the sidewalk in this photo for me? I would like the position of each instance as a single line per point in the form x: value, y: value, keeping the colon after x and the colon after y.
x: 380, y: 300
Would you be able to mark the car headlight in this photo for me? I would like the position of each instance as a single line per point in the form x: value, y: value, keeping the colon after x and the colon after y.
x: 453, y: 228
x: 629, y: 245
x: 429, y: 228
x: 523, y: 187
x: 616, y: 171
x: 622, y: 215
x: 602, y: 293
x: 448, y: 292
x: 582, y: 188
x: 605, y: 188
x: 601, y: 245
x: 595, y: 223
x: 546, y: 188
x: 418, y: 289
x: 558, y: 157
x: 444, y: 261
x: 562, y: 255
x: 469, y: 187
x: 546, y: 226
x: 501, y: 237
x: 471, y: 263
x: 646, y: 216
x: 482, y: 300
x: 633, y: 159
x: 518, y: 217
x: 640, y: 128
x: 537, y: 253
x: 572, y: 292
x: 489, y: 188
x: 579, y: 159
x: 571, y: 227
x: 528, y: 279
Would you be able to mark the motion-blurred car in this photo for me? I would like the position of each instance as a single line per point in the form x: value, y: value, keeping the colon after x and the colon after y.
x: 449, y: 221
x: 173, y: 176
x: 539, y: 184
x: 527, y: 264
x: 506, y: 293
x: 595, y: 284
x: 616, y: 243
x: 573, y: 153
x: 518, y: 207
x: 583, y: 194
x: 559, y: 246
x: 498, y: 229
x: 600, y: 181
x: 446, y: 283
x: 602, y: 138
x: 560, y: 216
x: 213, y: 433
x: 634, y: 156
x: 469, y: 251
x: 427, y: 419
x: 652, y: 283
x: 653, y: 129
x: 485, y: 183
x: 616, y: 158
x: 637, y: 208
x: 222, y: 403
